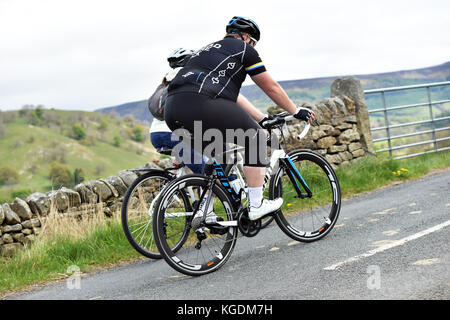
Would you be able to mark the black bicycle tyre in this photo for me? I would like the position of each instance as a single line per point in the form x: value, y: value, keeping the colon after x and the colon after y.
x: 124, y: 210
x: 124, y: 213
x: 274, y: 192
x: 201, y: 181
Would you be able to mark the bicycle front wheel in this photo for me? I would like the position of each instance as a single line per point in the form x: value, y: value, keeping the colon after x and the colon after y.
x: 207, y: 247
x: 137, y: 208
x: 311, y: 218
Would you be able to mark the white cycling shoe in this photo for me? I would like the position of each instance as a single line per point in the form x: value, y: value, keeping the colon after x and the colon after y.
x: 266, y: 207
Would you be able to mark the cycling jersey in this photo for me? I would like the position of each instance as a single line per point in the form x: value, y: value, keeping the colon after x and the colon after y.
x: 218, y: 70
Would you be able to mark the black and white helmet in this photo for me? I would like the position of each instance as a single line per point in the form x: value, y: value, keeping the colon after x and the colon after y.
x: 241, y: 24
x: 179, y: 57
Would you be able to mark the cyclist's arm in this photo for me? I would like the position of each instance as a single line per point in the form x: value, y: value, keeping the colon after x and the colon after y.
x: 274, y: 91
x: 249, y: 108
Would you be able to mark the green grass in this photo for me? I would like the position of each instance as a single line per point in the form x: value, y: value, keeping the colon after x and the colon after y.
x: 368, y: 174
x: 92, y: 245
x: 30, y: 149
x: 372, y: 173
x: 104, y: 244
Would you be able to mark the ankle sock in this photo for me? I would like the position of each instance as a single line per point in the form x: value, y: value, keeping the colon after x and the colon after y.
x: 255, y: 196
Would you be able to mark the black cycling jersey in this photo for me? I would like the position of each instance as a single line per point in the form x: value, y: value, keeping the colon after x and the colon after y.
x: 219, y: 69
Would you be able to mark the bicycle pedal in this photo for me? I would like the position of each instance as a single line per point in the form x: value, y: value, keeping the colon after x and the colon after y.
x: 216, y: 228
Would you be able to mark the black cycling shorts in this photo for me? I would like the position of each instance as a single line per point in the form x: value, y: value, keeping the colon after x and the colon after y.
x: 206, y: 119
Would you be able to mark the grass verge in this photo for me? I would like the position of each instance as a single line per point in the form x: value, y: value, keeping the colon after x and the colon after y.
x: 90, y: 242
x: 93, y: 242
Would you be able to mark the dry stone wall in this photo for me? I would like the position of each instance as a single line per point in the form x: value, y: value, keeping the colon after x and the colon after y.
x: 21, y: 220
x: 343, y: 137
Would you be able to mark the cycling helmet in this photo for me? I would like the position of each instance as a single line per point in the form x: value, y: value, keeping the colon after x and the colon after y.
x: 179, y: 57
x: 240, y: 24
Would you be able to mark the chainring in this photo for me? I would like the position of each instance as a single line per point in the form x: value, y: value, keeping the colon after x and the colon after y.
x: 248, y: 227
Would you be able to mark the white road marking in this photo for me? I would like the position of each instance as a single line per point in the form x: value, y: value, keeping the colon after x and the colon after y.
x: 389, y: 246
x: 426, y: 262
x: 391, y: 232
x: 385, y: 211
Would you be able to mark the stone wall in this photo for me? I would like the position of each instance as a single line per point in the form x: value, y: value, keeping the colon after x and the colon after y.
x: 21, y: 220
x: 343, y: 137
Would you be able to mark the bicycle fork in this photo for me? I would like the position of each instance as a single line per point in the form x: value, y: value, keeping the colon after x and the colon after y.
x: 296, y: 178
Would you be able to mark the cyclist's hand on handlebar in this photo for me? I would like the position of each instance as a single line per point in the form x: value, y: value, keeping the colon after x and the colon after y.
x: 264, y: 121
x: 305, y: 114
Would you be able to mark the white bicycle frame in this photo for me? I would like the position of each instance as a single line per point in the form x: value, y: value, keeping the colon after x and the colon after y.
x: 274, y: 160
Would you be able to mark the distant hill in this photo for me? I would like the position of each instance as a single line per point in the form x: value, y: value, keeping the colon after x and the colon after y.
x: 138, y: 109
x: 310, y: 90
x: 100, y: 145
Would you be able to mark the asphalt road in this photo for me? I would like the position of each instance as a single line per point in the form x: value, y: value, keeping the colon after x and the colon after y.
x: 393, y: 243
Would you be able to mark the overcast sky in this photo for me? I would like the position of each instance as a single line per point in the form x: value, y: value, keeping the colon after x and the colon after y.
x: 88, y: 54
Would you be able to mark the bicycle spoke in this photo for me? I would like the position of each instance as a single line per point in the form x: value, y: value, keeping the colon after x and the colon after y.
x: 202, y: 250
x: 309, y: 218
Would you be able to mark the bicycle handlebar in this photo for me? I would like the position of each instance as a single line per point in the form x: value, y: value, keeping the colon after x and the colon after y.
x: 283, y: 118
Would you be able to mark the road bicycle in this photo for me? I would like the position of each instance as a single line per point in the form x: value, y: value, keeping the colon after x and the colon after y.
x: 141, y: 196
x: 304, y: 179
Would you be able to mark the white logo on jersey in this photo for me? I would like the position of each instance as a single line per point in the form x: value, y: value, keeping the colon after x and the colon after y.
x: 187, y: 74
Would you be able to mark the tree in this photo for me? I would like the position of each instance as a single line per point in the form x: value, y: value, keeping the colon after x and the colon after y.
x: 103, y: 126
x: 60, y: 174
x: 117, y: 140
x: 137, y: 133
x: 8, y: 175
x: 39, y: 111
x: 78, y: 176
x: 129, y: 119
x: 78, y: 132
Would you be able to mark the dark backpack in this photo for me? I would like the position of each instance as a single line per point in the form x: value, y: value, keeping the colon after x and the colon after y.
x: 157, y: 101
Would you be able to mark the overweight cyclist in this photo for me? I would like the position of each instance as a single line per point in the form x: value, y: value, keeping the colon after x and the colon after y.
x: 207, y: 90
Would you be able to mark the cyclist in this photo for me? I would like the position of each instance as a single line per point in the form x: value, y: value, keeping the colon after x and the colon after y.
x: 207, y: 90
x: 160, y: 134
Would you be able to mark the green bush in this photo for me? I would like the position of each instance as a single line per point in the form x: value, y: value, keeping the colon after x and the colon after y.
x: 8, y: 175
x: 137, y: 133
x: 60, y: 174
x: 21, y: 193
x: 117, y: 141
x: 78, y: 176
x: 79, y: 132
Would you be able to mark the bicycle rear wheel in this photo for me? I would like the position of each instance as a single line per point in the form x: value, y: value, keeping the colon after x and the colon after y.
x: 136, y: 214
x: 311, y: 218
x: 207, y: 248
